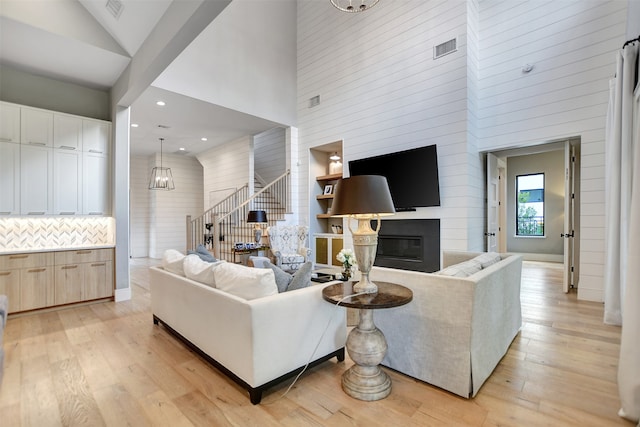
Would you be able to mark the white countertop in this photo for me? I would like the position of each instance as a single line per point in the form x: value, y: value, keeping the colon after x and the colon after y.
x: 58, y: 249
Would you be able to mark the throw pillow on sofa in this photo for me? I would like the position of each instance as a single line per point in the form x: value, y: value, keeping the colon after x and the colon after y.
x: 203, y: 253
x: 488, y: 258
x: 463, y: 269
x: 301, y: 278
x: 245, y: 282
x: 200, y: 271
x: 172, y: 261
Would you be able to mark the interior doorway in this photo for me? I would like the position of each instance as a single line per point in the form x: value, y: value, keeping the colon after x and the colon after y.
x: 558, y: 205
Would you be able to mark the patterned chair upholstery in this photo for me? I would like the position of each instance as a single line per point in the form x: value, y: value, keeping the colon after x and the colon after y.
x: 288, y: 245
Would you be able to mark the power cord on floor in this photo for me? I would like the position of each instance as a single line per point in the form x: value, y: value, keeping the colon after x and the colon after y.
x: 315, y: 349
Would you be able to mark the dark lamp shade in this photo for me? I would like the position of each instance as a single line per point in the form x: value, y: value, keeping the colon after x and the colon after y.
x: 362, y: 194
x: 257, y: 216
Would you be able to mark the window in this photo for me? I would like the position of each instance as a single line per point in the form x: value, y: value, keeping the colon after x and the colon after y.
x: 530, y: 205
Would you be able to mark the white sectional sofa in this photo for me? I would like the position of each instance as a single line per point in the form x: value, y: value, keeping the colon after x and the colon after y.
x: 257, y: 342
x: 456, y: 329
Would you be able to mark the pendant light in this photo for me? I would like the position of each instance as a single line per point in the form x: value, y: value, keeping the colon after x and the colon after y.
x: 161, y: 177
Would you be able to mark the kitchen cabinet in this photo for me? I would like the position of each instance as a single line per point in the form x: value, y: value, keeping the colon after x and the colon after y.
x: 9, y: 123
x: 83, y: 275
x: 9, y: 178
x: 36, y: 127
x: 96, y: 193
x: 67, y: 182
x: 47, y: 279
x: 53, y: 163
x: 95, y: 136
x: 67, y: 132
x: 36, y: 180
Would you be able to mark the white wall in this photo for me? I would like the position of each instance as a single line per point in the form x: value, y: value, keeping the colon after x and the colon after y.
x: 381, y: 91
x: 25, y: 88
x: 552, y: 165
x: 227, y: 167
x: 168, y: 209
x: 269, y: 154
x: 140, y: 213
x: 246, y: 61
x: 633, y: 19
x: 572, y: 46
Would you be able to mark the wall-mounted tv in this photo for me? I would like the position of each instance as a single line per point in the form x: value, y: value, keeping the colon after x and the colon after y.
x: 412, y: 176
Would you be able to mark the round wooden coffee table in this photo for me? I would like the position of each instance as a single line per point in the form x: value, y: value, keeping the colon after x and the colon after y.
x: 366, y: 343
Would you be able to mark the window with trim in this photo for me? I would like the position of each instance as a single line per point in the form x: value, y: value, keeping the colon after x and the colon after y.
x: 530, y: 205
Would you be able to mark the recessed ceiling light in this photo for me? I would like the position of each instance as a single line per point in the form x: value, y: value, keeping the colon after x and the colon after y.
x: 203, y: 139
x: 134, y: 125
x: 181, y: 148
x: 160, y: 103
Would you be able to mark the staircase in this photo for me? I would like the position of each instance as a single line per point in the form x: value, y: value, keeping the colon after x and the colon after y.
x: 223, y: 225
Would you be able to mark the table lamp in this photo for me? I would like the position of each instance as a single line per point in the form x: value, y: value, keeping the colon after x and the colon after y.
x: 257, y: 218
x: 363, y: 197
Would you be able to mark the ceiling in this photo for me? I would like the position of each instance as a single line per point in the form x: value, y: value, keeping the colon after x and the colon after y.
x: 80, y: 41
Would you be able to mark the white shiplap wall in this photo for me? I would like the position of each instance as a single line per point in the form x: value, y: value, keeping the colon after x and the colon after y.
x: 228, y: 166
x: 571, y: 45
x: 140, y: 214
x: 169, y: 209
x: 269, y: 153
x: 381, y: 91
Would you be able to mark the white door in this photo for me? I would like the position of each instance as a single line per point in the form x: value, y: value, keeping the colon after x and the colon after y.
x: 493, y: 191
x: 67, y: 182
x: 569, y: 200
x: 9, y: 178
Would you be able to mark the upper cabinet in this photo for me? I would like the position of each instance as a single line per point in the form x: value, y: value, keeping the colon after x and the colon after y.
x: 36, y: 127
x: 9, y: 178
x: 67, y: 132
x: 9, y: 123
x: 95, y: 136
x: 53, y: 163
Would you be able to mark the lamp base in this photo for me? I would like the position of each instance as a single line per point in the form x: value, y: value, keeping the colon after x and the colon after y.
x: 365, y: 285
x: 258, y: 235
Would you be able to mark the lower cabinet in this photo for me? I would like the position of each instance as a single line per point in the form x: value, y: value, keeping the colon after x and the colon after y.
x: 327, y: 247
x: 46, y: 279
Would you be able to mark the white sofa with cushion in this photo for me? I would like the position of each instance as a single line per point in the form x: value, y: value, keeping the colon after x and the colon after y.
x: 456, y: 329
x: 257, y: 339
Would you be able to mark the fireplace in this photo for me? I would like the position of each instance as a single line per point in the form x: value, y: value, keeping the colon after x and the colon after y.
x: 409, y: 244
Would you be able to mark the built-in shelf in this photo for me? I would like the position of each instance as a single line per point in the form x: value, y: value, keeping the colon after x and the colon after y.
x: 321, y: 216
x: 329, y: 177
x: 324, y: 196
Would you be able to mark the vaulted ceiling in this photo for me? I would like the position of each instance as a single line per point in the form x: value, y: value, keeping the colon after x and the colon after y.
x: 82, y: 42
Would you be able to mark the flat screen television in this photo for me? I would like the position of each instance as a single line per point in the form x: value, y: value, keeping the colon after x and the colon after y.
x: 412, y: 176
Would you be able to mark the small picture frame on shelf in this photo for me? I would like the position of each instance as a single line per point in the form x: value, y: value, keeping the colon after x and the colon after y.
x: 328, y: 189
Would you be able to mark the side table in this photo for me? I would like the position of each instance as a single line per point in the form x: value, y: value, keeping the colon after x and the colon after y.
x: 366, y: 343
x: 244, y: 253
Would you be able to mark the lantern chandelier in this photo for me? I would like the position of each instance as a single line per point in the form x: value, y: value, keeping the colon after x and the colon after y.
x: 353, y: 6
x: 161, y: 177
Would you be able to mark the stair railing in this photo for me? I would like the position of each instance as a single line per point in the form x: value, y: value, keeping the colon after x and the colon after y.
x: 223, y: 225
x: 232, y: 228
x: 201, y: 229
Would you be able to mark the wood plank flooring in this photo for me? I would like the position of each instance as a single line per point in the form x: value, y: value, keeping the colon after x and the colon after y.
x: 107, y: 364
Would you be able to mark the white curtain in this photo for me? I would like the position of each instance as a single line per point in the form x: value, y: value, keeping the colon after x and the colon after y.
x: 622, y: 237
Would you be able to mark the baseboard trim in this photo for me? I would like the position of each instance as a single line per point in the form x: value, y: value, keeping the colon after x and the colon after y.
x: 594, y: 295
x: 123, y: 294
x: 542, y: 257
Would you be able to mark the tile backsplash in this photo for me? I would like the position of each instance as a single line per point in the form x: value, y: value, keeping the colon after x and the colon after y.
x: 17, y: 234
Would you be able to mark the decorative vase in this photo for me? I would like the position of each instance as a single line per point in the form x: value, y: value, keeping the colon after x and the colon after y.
x: 346, y: 274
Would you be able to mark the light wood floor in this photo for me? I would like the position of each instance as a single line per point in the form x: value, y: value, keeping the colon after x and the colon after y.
x: 107, y: 364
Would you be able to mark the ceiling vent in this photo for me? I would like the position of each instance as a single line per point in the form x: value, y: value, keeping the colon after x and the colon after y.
x: 115, y: 8
x: 445, y: 48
